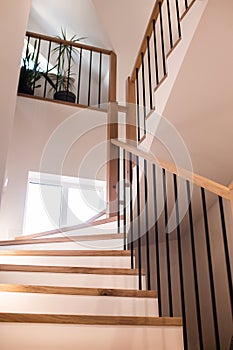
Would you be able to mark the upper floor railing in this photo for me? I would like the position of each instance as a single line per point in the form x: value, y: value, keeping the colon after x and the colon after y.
x: 67, y: 71
x: 162, y: 35
x: 180, y: 226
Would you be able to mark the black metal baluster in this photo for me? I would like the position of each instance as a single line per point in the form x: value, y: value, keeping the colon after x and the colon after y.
x: 139, y: 226
x: 79, y: 74
x: 186, y: 4
x: 181, y: 274
x: 149, y: 71
x: 147, y: 227
x: 68, y: 80
x: 124, y: 196
x: 138, y: 102
x: 143, y: 93
x: 157, y: 242
x: 210, y: 267
x: 131, y: 210
x: 118, y: 190
x: 226, y: 250
x: 47, y: 68
x: 178, y: 17
x: 28, y: 42
x: 170, y: 303
x: 58, y: 70
x: 162, y: 39
x: 169, y: 24
x: 89, y: 84
x: 156, y: 54
x: 36, y: 62
x: 194, y: 263
x: 100, y: 77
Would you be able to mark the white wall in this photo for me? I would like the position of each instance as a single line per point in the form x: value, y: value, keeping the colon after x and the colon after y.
x: 78, y: 149
x: 13, y: 22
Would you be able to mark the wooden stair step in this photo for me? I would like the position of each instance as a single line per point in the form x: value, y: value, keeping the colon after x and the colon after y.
x: 128, y: 293
x: 72, y: 253
x: 90, y: 320
x: 70, y: 269
x: 93, y: 224
x: 82, y: 238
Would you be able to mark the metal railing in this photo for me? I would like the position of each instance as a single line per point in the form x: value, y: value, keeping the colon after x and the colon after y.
x: 162, y: 35
x: 67, y: 71
x: 149, y: 196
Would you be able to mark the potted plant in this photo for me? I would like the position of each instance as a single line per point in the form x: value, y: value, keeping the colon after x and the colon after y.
x: 30, y: 73
x: 65, y: 57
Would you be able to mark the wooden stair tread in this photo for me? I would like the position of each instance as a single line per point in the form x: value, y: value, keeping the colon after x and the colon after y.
x: 128, y: 293
x: 90, y: 320
x: 70, y: 269
x: 82, y: 238
x: 69, y: 253
x: 71, y: 228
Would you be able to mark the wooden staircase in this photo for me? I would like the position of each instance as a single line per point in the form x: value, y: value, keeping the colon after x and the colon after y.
x: 80, y: 298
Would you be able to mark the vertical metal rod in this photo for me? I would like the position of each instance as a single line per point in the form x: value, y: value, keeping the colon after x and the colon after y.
x: 124, y: 196
x: 131, y: 209
x: 170, y: 303
x: 69, y: 66
x: 89, y: 83
x: 59, y: 71
x: 210, y: 267
x: 226, y: 250
x: 181, y: 274
x: 143, y: 92
x: 156, y: 54
x: 162, y: 39
x: 147, y: 227
x: 118, y: 189
x: 100, y: 76
x: 36, y: 63
x: 149, y: 71
x: 157, y: 241
x: 47, y: 68
x: 186, y: 4
x: 79, y: 74
x: 169, y: 24
x: 178, y: 17
x: 138, y: 102
x: 27, y: 48
x: 139, y: 226
x: 194, y: 263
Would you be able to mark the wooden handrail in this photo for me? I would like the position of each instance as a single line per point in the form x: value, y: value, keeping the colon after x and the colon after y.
x: 198, y: 180
x: 68, y: 228
x: 148, y: 32
x: 67, y: 42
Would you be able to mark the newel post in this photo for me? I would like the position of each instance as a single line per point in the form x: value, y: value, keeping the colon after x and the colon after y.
x: 112, y: 133
x: 231, y: 196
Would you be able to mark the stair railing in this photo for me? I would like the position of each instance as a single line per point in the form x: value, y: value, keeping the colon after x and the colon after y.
x: 162, y: 35
x: 67, y: 71
x: 191, y: 247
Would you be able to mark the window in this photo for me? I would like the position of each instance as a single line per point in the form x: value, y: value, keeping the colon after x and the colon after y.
x: 56, y: 201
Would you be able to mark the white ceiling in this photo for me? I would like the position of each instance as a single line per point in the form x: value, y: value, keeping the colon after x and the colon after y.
x: 77, y: 16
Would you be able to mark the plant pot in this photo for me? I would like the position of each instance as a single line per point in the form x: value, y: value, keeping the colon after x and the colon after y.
x: 24, y: 89
x: 64, y: 96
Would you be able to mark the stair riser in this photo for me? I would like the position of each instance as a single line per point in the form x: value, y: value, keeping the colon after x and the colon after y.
x: 116, y: 244
x: 79, y: 305
x: 92, y: 261
x: 70, y: 280
x: 73, y: 337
